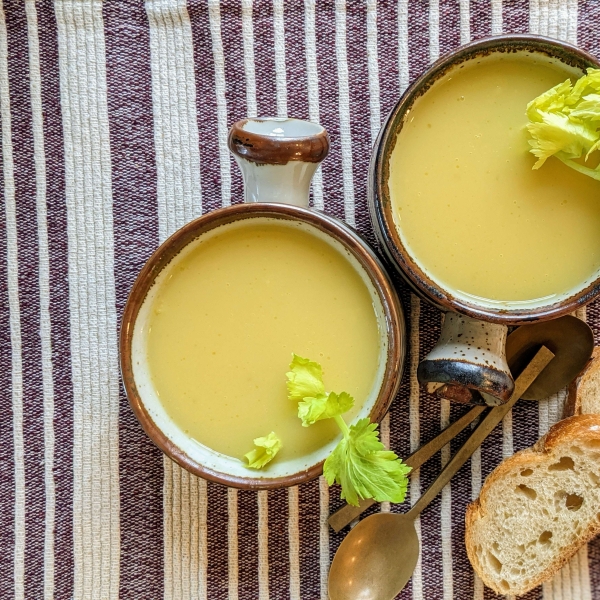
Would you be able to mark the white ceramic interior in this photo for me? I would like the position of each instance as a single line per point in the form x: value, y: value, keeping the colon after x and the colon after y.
x: 193, y: 448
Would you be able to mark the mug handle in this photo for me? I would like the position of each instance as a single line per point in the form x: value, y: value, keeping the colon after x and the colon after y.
x: 468, y: 364
x: 278, y: 157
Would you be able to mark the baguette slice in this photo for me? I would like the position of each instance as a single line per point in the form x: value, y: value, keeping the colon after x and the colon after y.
x: 584, y: 391
x: 537, y: 508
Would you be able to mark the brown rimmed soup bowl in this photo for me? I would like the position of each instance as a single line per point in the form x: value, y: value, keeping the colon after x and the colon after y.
x: 151, y: 411
x: 468, y: 364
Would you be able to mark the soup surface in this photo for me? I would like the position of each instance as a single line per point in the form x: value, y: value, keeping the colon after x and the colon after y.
x: 226, y: 319
x: 467, y: 204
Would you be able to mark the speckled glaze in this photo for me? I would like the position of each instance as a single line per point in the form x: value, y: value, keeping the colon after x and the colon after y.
x: 444, y: 373
x: 198, y: 459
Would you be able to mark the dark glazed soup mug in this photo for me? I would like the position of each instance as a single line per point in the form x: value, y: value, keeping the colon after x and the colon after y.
x: 468, y: 364
x: 278, y: 158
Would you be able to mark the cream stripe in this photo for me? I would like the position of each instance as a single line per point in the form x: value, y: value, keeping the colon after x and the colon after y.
x: 263, y: 545
x: 415, y: 430
x: 92, y: 298
x: 294, y: 537
x: 572, y: 12
x: 12, y: 267
x: 279, y: 47
x: 373, y: 69
x: 179, y: 201
x: 534, y: 16
x: 446, y: 512
x: 249, y: 69
x: 496, y: 17
x: 507, y: 435
x: 465, y: 21
x: 214, y: 14
x: 403, y: 70
x: 344, y: 110
x: 312, y: 77
x: 324, y: 536
x: 44, y: 282
x: 232, y: 543
x: 434, y: 30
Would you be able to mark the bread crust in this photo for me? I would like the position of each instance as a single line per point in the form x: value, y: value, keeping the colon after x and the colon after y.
x: 573, y: 402
x: 580, y: 427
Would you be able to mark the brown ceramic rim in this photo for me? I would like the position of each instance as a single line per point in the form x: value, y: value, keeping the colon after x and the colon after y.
x: 394, y: 322
x: 265, y: 149
x: 379, y: 199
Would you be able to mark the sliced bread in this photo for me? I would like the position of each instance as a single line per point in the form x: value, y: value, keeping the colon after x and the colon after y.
x: 584, y: 391
x: 537, y: 508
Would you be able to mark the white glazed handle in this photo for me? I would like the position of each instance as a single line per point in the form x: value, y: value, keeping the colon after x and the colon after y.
x: 468, y: 358
x: 278, y: 158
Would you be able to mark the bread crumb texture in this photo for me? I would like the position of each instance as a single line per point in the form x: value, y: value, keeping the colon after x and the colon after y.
x: 537, y: 508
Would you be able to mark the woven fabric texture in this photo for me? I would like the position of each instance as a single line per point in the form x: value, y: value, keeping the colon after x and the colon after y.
x: 114, y: 117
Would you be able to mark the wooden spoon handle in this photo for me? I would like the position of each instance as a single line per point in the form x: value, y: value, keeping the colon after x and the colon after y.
x: 487, y: 424
x: 345, y: 515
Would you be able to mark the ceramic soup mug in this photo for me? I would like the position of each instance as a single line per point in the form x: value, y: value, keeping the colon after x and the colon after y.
x: 468, y: 363
x: 278, y: 158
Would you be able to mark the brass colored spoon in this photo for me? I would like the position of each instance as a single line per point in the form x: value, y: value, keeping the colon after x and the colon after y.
x: 378, y: 557
x: 571, y: 341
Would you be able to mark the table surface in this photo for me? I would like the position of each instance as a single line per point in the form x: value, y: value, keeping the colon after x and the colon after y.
x: 114, y: 119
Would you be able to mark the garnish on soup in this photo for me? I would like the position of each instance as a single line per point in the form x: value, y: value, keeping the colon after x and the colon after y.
x: 359, y: 463
x: 564, y: 122
x: 264, y: 452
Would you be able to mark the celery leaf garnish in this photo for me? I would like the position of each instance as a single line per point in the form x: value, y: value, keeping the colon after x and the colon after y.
x: 564, y: 122
x: 264, y: 452
x: 364, y: 468
x: 359, y: 463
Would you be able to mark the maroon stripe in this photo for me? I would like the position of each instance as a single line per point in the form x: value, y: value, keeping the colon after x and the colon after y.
x: 387, y: 52
x: 449, y: 26
x: 235, y: 78
x: 206, y: 105
x: 418, y: 37
x: 515, y: 14
x: 135, y: 217
x: 295, y: 60
x: 360, y: 112
x: 279, y: 562
x: 264, y: 56
x: 247, y: 544
x: 216, y: 537
x: 28, y: 269
x: 59, y: 300
x: 333, y: 189
x: 7, y: 493
x: 481, y: 19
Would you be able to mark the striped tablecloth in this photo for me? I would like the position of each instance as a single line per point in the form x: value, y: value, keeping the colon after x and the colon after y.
x: 114, y: 119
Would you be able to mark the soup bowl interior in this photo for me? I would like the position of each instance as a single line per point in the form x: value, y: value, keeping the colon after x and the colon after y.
x: 155, y: 419
x: 574, y: 62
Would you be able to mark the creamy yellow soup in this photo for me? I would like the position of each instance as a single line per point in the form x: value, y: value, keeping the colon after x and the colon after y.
x: 226, y: 319
x: 466, y: 202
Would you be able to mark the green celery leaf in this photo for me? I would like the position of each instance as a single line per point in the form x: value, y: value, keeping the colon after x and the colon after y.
x: 564, y: 122
x: 552, y: 100
x: 364, y: 468
x: 266, y: 449
x: 325, y: 406
x: 557, y: 133
x: 305, y: 379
